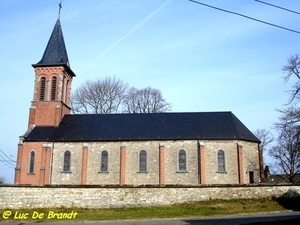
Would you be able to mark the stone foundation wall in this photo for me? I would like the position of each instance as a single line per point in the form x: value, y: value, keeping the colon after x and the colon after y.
x: 16, y: 197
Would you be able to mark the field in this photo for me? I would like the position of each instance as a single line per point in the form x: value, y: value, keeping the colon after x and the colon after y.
x: 192, y: 209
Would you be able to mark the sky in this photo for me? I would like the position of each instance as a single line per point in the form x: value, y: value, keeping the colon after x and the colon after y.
x: 202, y: 59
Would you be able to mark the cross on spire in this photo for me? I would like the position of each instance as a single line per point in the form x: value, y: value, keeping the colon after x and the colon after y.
x: 60, y: 7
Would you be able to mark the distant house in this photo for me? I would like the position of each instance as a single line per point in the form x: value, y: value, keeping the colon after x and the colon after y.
x: 193, y: 148
x: 280, y: 179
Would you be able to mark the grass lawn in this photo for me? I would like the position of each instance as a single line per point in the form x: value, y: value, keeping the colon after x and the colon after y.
x: 192, y: 209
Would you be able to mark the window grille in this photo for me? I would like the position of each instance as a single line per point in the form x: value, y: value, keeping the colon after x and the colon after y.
x: 182, y: 160
x: 143, y: 161
x: 104, y: 161
x: 42, y: 89
x: 53, y: 88
x: 31, y: 162
x: 67, y: 161
x: 221, y: 161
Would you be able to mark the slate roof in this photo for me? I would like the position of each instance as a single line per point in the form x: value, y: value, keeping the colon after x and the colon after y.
x: 153, y: 126
x: 56, y: 51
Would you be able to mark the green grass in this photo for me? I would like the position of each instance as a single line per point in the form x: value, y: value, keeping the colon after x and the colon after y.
x: 192, y: 209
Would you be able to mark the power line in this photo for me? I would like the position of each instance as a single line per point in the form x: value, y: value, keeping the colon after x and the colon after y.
x: 279, y: 7
x: 248, y: 17
x: 4, y: 163
x: 7, y: 161
x: 10, y: 159
x: 8, y: 164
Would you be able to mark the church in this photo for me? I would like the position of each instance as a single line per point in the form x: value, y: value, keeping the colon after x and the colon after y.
x: 192, y: 148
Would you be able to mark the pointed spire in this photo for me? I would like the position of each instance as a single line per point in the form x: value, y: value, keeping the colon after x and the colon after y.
x: 55, y: 52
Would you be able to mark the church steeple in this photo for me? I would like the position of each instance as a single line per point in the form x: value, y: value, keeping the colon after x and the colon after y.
x: 55, y: 52
x: 53, y: 78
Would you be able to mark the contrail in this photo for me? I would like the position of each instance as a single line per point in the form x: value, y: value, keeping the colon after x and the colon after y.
x: 130, y: 31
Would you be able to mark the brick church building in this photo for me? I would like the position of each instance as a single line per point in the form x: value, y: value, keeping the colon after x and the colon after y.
x: 58, y: 148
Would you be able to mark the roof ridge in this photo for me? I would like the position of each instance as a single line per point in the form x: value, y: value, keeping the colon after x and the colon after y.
x: 160, y: 113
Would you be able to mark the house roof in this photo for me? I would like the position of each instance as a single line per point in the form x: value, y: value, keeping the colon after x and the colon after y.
x: 281, y: 178
x: 152, y: 126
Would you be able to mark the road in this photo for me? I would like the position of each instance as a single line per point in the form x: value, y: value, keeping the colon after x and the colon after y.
x: 219, y: 220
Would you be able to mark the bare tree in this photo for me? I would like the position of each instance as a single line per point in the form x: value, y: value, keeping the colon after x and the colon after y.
x: 2, y: 180
x: 289, y: 116
x: 292, y: 70
x: 265, y: 137
x: 287, y: 151
x: 110, y: 95
x: 146, y: 100
x: 102, y: 96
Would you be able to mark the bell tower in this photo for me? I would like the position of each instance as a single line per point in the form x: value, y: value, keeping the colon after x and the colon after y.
x: 52, y: 86
x: 51, y: 101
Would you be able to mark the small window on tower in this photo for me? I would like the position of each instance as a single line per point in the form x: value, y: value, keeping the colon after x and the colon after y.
x: 31, y: 162
x: 53, y: 88
x: 42, y: 88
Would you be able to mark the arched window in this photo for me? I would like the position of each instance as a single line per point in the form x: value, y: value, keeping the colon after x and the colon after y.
x: 31, y: 162
x: 104, y: 161
x: 42, y: 88
x: 67, y: 161
x: 221, y: 161
x: 182, y: 161
x: 143, y: 161
x: 53, y: 88
x: 66, y: 98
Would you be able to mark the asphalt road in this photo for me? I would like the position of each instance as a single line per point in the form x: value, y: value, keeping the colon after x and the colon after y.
x: 220, y: 220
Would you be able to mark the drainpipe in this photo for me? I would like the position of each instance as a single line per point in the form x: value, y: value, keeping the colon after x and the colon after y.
x: 51, y: 163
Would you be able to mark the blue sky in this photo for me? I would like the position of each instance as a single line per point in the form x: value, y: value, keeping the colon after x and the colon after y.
x: 200, y: 58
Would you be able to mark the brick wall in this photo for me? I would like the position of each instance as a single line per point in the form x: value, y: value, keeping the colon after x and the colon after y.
x: 23, y: 176
x: 47, y: 111
x: 16, y: 197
